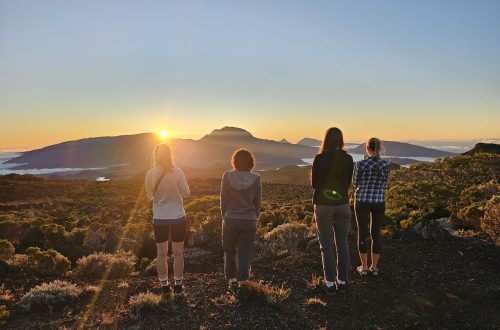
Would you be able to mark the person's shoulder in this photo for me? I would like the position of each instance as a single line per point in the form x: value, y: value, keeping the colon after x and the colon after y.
x: 385, y: 163
x: 151, y: 171
x: 177, y: 171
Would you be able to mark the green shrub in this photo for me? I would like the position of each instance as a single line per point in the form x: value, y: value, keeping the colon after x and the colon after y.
x: 211, y: 229
x: 40, y: 262
x: 106, y: 265
x: 203, y: 204
x: 490, y: 223
x: 143, y: 302
x: 50, y: 294
x: 100, y: 237
x: 4, y: 314
x: 288, y: 237
x: 7, y: 250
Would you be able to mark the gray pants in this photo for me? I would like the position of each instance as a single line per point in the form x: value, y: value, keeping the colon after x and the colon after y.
x: 238, y: 237
x: 333, y: 224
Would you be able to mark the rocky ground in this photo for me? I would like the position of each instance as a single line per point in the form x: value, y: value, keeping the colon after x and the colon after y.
x: 451, y: 284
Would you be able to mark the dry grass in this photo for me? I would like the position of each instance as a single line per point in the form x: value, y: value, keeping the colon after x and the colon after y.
x: 143, y: 302
x: 314, y: 282
x: 263, y: 292
x: 5, y: 295
x: 315, y: 302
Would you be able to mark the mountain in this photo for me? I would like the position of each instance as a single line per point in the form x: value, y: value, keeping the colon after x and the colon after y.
x: 488, y: 148
x: 284, y: 141
x: 310, y: 142
x: 401, y: 149
x: 134, y: 152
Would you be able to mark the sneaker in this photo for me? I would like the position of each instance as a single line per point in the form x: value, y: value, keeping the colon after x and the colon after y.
x: 362, y: 271
x: 166, y: 291
x: 178, y: 289
x: 341, y: 288
x: 233, y: 287
x: 328, y: 290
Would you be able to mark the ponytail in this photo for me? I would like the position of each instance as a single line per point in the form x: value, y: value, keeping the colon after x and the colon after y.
x: 375, y: 145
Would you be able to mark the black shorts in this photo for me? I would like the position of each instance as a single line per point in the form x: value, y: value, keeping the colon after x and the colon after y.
x: 177, y: 231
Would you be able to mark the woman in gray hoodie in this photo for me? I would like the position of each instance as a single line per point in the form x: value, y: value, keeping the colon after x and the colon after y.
x: 240, y: 198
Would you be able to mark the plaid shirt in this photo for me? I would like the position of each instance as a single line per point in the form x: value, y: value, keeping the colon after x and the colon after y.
x: 369, y: 184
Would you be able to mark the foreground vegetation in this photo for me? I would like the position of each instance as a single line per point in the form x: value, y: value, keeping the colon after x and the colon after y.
x: 91, y: 244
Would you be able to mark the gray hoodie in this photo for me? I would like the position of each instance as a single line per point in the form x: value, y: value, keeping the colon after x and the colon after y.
x: 240, y: 195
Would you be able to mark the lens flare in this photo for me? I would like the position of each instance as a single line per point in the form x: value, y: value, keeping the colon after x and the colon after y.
x: 332, y: 194
x: 164, y: 134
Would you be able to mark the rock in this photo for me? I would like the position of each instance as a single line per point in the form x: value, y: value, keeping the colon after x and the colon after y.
x: 431, y: 230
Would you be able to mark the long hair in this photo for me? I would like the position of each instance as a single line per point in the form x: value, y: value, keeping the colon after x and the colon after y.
x: 375, y: 146
x: 333, y: 140
x: 162, y: 156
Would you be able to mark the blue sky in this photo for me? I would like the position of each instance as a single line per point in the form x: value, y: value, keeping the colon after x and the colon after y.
x: 394, y: 69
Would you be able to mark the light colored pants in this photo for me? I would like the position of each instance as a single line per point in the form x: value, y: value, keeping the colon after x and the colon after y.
x: 333, y: 224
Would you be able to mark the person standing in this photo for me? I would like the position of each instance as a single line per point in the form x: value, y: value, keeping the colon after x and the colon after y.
x: 166, y: 186
x: 330, y: 178
x: 240, y: 199
x: 370, y: 180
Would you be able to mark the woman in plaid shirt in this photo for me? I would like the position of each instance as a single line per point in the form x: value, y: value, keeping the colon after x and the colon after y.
x: 370, y: 180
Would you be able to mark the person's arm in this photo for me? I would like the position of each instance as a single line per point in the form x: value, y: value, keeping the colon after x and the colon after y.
x: 350, y: 170
x: 316, y: 172
x: 224, y: 194
x: 148, y: 186
x: 355, y: 175
x: 183, y: 185
x: 258, y: 197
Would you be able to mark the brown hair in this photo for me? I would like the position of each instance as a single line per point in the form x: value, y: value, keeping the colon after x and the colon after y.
x: 375, y: 146
x: 162, y: 156
x: 243, y: 160
x: 333, y: 140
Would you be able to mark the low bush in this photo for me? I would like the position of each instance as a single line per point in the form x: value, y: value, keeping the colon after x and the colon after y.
x: 143, y: 302
x: 211, y: 229
x: 100, y: 237
x: 490, y: 223
x: 50, y: 294
x: 260, y: 292
x: 110, y: 266
x: 4, y: 314
x: 315, y: 302
x: 40, y: 262
x: 288, y: 237
x: 7, y: 249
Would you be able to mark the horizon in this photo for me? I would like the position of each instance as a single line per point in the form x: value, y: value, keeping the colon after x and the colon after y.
x: 425, y: 71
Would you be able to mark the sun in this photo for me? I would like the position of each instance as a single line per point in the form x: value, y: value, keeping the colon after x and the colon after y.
x: 164, y: 134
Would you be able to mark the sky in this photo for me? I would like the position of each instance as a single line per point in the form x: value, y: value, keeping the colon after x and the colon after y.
x: 399, y: 69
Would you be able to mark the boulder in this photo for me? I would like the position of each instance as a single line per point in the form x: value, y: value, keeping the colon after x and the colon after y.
x: 432, y: 230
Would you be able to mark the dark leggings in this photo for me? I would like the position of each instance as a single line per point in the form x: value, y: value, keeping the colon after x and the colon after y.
x: 365, y: 231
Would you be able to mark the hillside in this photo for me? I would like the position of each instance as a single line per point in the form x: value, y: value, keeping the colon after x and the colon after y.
x: 55, y: 230
x: 401, y: 149
x: 134, y: 152
x: 489, y: 148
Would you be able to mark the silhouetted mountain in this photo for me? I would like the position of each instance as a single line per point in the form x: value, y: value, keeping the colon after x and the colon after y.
x: 401, y: 149
x: 488, y: 148
x: 134, y: 152
x: 283, y: 141
x: 309, y: 142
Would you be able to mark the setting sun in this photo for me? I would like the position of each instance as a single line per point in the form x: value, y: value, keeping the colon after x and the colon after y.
x: 164, y: 134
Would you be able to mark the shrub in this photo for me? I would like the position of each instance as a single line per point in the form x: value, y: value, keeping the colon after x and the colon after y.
x: 50, y: 294
x: 288, y: 237
x: 4, y: 314
x: 315, y: 302
x: 41, y: 262
x: 7, y: 250
x: 143, y: 302
x: 99, y: 264
x: 490, y: 223
x: 262, y: 292
x: 211, y: 229
x: 203, y: 203
x: 102, y: 237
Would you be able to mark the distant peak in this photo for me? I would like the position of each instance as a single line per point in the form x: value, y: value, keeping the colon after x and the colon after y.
x: 284, y: 141
x: 229, y: 131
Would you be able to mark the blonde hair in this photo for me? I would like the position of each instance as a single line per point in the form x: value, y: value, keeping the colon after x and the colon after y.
x: 375, y: 145
x: 162, y: 156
